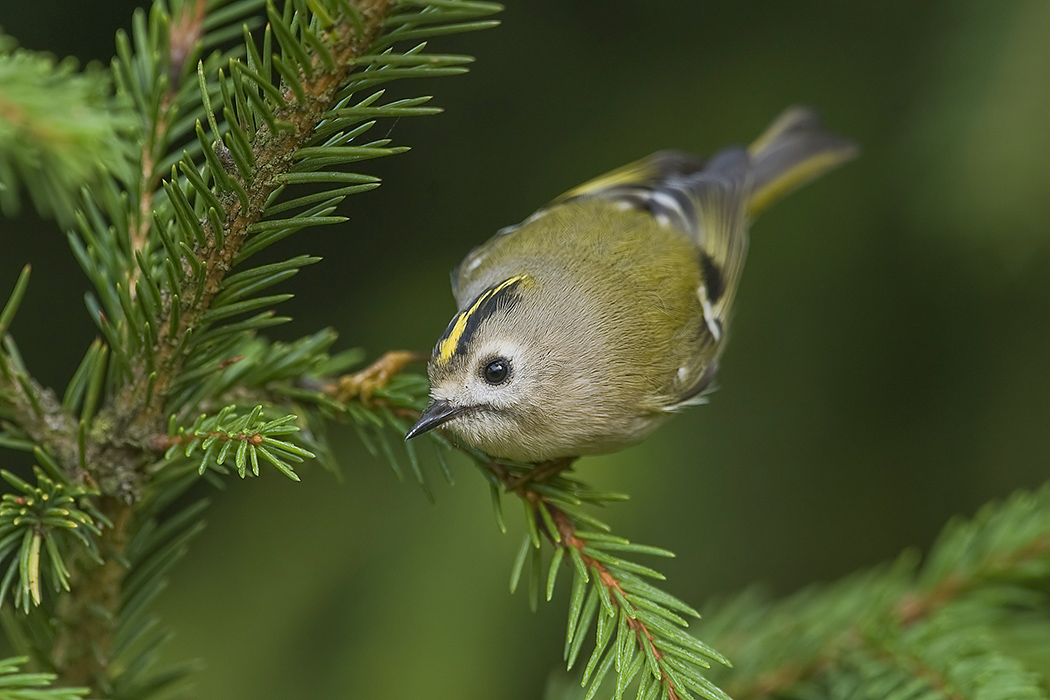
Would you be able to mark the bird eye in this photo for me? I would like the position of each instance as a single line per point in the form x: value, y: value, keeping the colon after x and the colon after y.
x: 496, y: 371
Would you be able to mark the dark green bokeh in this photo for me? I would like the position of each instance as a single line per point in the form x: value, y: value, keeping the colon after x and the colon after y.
x: 887, y: 368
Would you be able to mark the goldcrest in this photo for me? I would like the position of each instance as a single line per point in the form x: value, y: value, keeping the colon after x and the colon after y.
x: 589, y: 324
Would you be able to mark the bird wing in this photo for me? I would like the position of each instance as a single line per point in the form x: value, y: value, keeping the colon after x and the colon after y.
x: 708, y: 203
x: 711, y: 202
x: 630, y: 184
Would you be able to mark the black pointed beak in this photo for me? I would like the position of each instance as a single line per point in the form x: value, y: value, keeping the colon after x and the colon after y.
x: 438, y: 413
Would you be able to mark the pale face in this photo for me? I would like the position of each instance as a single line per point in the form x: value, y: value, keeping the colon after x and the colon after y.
x: 491, y: 390
x: 492, y: 375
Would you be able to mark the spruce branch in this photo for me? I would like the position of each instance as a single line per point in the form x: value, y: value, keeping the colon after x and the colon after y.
x: 639, y: 628
x: 323, y: 69
x: 222, y: 131
x: 264, y: 121
x: 168, y: 302
x: 246, y: 438
x: 60, y: 131
x: 935, y: 631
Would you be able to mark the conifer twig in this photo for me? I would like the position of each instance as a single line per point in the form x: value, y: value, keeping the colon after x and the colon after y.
x: 886, y: 615
x: 565, y: 536
x: 183, y: 34
x: 361, y: 385
x: 273, y: 154
x: 159, y: 251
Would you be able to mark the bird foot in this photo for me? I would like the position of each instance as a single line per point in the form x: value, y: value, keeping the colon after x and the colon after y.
x: 542, y: 472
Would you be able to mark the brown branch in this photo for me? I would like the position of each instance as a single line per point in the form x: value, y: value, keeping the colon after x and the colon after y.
x: 39, y: 412
x: 88, y: 613
x: 361, y: 385
x: 917, y: 605
x: 86, y: 616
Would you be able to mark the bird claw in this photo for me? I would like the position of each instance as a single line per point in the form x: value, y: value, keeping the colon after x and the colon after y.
x: 541, y: 473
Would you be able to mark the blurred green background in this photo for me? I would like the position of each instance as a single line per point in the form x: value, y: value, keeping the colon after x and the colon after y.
x: 888, y: 367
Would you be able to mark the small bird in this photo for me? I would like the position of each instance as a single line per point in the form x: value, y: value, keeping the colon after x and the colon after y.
x: 586, y: 326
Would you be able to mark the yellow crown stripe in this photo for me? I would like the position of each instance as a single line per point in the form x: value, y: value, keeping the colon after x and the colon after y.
x: 446, y: 349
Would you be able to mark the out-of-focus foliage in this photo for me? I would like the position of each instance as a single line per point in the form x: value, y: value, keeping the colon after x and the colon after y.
x: 32, y: 686
x: 981, y: 135
x: 51, y: 150
x: 946, y: 629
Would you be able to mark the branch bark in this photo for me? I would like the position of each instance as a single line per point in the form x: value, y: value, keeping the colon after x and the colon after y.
x: 86, y: 616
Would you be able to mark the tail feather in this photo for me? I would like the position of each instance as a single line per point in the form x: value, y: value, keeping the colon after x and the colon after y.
x: 795, y: 149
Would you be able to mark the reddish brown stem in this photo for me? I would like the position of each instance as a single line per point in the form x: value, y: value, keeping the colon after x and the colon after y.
x: 567, y: 537
x: 567, y: 534
x: 160, y: 443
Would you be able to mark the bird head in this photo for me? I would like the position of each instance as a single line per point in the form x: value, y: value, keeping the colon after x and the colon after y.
x: 489, y: 371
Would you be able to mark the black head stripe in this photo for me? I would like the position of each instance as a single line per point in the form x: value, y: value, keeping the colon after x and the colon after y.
x: 498, y: 297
